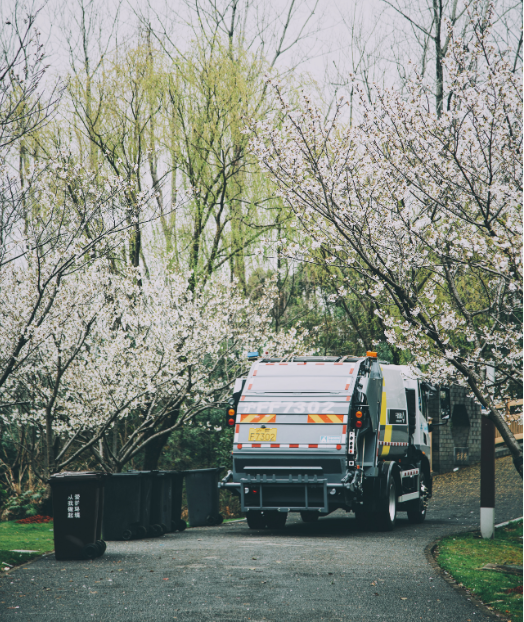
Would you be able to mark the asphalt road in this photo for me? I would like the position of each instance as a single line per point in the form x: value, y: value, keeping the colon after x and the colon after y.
x: 308, y: 572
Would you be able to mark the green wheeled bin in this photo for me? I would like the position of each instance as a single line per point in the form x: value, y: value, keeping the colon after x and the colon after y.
x: 122, y: 511
x: 202, y: 497
x: 78, y: 505
x: 177, y: 484
x: 161, y: 500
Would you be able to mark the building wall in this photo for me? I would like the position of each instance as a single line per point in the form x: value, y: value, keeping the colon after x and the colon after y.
x: 458, y: 442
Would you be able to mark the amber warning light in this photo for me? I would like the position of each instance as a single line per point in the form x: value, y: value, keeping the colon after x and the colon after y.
x: 231, y: 416
x: 372, y: 355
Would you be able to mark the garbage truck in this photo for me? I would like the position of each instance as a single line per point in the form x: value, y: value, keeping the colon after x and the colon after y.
x: 319, y: 433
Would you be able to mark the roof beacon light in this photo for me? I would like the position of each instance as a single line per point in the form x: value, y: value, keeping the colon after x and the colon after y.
x: 372, y: 355
x: 251, y: 356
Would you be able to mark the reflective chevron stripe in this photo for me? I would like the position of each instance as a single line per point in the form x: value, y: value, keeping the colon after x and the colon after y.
x: 327, y: 418
x: 258, y: 418
x: 390, y: 444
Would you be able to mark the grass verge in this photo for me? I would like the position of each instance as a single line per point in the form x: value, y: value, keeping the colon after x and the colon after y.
x: 35, y: 537
x: 462, y: 556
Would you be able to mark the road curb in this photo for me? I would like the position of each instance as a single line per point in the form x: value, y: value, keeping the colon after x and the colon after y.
x: 6, y: 573
x: 431, y: 555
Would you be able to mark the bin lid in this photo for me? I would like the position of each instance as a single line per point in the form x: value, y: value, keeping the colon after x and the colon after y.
x: 67, y: 476
x: 214, y: 469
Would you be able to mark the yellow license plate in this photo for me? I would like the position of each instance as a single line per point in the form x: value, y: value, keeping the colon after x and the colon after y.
x: 262, y: 435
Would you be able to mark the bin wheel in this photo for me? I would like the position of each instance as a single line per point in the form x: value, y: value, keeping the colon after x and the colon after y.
x: 275, y: 519
x: 181, y: 525
x: 164, y: 528
x: 417, y: 508
x: 141, y: 532
x: 255, y: 520
x: 214, y: 519
x: 309, y: 517
x: 157, y: 531
x: 90, y: 551
x: 127, y: 534
x: 102, y: 546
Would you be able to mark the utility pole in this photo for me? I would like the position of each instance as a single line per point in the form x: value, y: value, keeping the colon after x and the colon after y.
x: 487, y: 478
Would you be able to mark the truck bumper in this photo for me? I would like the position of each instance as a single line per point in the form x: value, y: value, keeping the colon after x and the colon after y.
x: 287, y: 495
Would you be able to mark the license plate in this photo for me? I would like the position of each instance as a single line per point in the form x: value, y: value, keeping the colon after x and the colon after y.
x: 262, y: 435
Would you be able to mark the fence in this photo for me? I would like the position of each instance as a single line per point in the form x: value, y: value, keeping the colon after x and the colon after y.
x: 513, y: 411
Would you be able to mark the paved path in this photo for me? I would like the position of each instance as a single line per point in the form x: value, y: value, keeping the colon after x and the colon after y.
x: 325, y: 571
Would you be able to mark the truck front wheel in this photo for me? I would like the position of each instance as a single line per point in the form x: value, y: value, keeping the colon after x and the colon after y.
x: 387, y: 514
x: 255, y: 520
x: 417, y: 508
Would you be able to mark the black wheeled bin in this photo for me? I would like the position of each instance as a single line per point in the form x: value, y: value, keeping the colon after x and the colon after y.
x: 122, y: 511
x: 161, y: 500
x: 177, y: 484
x: 78, y: 501
x: 202, y: 497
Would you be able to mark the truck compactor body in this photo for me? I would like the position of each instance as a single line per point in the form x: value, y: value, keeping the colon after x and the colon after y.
x: 315, y: 434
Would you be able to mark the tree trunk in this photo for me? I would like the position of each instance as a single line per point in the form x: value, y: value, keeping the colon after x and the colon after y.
x: 153, y: 450
x: 439, y: 73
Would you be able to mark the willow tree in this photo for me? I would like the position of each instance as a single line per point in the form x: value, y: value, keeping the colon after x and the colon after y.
x: 113, y: 111
x: 210, y: 94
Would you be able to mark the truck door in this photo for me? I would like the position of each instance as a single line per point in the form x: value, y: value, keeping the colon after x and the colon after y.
x: 394, y: 427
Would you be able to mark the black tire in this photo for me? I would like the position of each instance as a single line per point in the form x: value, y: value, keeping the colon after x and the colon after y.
x: 102, y: 546
x: 387, y: 514
x: 156, y: 531
x: 309, y: 517
x: 141, y: 532
x: 214, y: 520
x: 275, y: 519
x: 363, y: 518
x: 181, y: 524
x: 127, y: 534
x: 255, y: 520
x: 417, y: 509
x: 90, y: 551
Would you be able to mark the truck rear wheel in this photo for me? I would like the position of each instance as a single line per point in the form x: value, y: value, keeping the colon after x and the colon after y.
x: 363, y: 517
x: 255, y: 520
x: 309, y: 517
x: 417, y: 508
x: 387, y: 515
x: 275, y: 520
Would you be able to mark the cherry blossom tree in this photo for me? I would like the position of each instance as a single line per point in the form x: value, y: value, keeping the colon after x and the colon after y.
x: 146, y: 352
x: 422, y: 211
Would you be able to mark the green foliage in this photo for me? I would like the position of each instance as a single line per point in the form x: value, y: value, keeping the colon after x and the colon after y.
x: 23, y: 505
x: 464, y: 555
x: 204, y: 443
x: 36, y: 537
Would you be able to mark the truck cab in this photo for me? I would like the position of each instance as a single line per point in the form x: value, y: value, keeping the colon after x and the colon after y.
x: 315, y: 434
